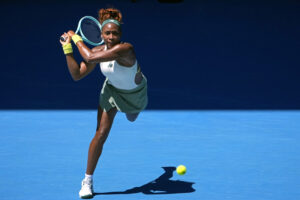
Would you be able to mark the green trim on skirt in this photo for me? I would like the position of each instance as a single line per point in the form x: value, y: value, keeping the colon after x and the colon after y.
x: 127, y: 101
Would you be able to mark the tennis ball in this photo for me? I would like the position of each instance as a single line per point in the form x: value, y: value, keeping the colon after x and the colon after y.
x: 181, y: 170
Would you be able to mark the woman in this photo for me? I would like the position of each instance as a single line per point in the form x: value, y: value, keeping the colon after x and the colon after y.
x: 125, y: 87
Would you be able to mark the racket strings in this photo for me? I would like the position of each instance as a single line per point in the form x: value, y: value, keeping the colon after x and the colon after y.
x: 91, y: 30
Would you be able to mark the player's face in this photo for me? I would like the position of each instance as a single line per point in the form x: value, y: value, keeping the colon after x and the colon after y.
x: 111, y: 34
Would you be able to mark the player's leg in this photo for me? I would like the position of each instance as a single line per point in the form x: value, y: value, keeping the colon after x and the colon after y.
x: 104, y: 123
x: 99, y: 115
x: 132, y: 116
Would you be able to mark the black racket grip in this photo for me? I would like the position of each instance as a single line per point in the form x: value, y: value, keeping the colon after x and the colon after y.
x: 62, y: 38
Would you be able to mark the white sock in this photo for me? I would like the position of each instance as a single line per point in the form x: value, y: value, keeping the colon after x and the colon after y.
x: 88, y: 178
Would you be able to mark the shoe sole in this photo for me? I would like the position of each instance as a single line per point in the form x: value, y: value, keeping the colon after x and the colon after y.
x: 87, y: 197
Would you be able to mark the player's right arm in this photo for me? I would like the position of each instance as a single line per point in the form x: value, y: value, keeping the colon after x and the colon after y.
x: 79, y: 71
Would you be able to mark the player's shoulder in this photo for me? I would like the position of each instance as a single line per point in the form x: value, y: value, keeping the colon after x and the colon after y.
x: 98, y: 48
x: 126, y: 45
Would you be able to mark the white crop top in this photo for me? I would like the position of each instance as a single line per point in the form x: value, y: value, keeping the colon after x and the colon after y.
x: 119, y: 76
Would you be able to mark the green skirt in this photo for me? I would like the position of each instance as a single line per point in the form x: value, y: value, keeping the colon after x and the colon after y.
x: 127, y: 101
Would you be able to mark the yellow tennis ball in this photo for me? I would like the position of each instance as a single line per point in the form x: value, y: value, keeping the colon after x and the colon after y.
x: 181, y: 170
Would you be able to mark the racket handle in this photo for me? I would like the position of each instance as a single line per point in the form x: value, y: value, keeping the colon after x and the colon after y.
x: 62, y: 38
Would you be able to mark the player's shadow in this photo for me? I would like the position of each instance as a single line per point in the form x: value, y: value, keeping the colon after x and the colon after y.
x: 161, y: 185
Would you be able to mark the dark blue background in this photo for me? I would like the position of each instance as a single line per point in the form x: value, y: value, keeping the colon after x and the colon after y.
x: 195, y: 54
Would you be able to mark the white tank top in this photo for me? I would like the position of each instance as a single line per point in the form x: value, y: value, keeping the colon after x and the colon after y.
x: 119, y: 76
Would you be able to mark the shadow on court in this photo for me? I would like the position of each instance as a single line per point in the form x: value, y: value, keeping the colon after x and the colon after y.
x: 161, y: 185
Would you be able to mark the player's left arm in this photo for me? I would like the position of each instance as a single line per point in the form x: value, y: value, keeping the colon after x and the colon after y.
x: 119, y: 51
x: 98, y: 48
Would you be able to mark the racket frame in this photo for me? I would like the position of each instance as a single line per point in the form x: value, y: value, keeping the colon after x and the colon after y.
x: 83, y: 36
x: 78, y: 30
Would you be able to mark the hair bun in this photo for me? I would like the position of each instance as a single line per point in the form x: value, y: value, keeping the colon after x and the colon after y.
x: 110, y: 13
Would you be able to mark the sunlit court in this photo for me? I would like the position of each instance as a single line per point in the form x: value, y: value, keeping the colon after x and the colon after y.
x: 228, y: 155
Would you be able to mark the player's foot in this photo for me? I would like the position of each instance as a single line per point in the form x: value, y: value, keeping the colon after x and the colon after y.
x: 86, y: 191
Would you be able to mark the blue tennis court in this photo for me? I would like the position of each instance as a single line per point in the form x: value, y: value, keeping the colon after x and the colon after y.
x: 228, y: 155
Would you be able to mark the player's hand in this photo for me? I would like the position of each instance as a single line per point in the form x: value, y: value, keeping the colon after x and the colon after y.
x: 71, y: 33
x: 67, y: 39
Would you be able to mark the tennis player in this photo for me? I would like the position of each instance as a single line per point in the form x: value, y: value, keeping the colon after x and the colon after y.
x: 125, y: 87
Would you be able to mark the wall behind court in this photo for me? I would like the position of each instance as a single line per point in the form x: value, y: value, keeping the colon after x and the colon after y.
x: 195, y: 54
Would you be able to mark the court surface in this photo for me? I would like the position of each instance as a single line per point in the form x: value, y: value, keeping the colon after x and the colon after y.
x: 228, y: 154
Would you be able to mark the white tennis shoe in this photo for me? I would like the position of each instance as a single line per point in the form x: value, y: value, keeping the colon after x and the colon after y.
x: 86, y: 191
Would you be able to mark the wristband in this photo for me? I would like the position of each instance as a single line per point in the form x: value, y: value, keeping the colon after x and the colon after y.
x: 67, y: 48
x: 76, y: 38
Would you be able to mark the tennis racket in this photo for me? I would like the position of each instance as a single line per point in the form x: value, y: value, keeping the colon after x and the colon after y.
x: 89, y: 29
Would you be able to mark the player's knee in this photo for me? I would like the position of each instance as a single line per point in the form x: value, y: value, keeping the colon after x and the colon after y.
x: 101, y: 135
x: 131, y: 118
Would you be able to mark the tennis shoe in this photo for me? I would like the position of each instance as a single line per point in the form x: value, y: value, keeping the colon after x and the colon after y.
x: 86, y: 191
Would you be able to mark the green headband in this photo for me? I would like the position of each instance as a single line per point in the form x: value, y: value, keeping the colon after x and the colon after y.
x: 111, y: 21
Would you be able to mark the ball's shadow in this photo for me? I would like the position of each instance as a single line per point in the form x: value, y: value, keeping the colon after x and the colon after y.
x: 161, y: 185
